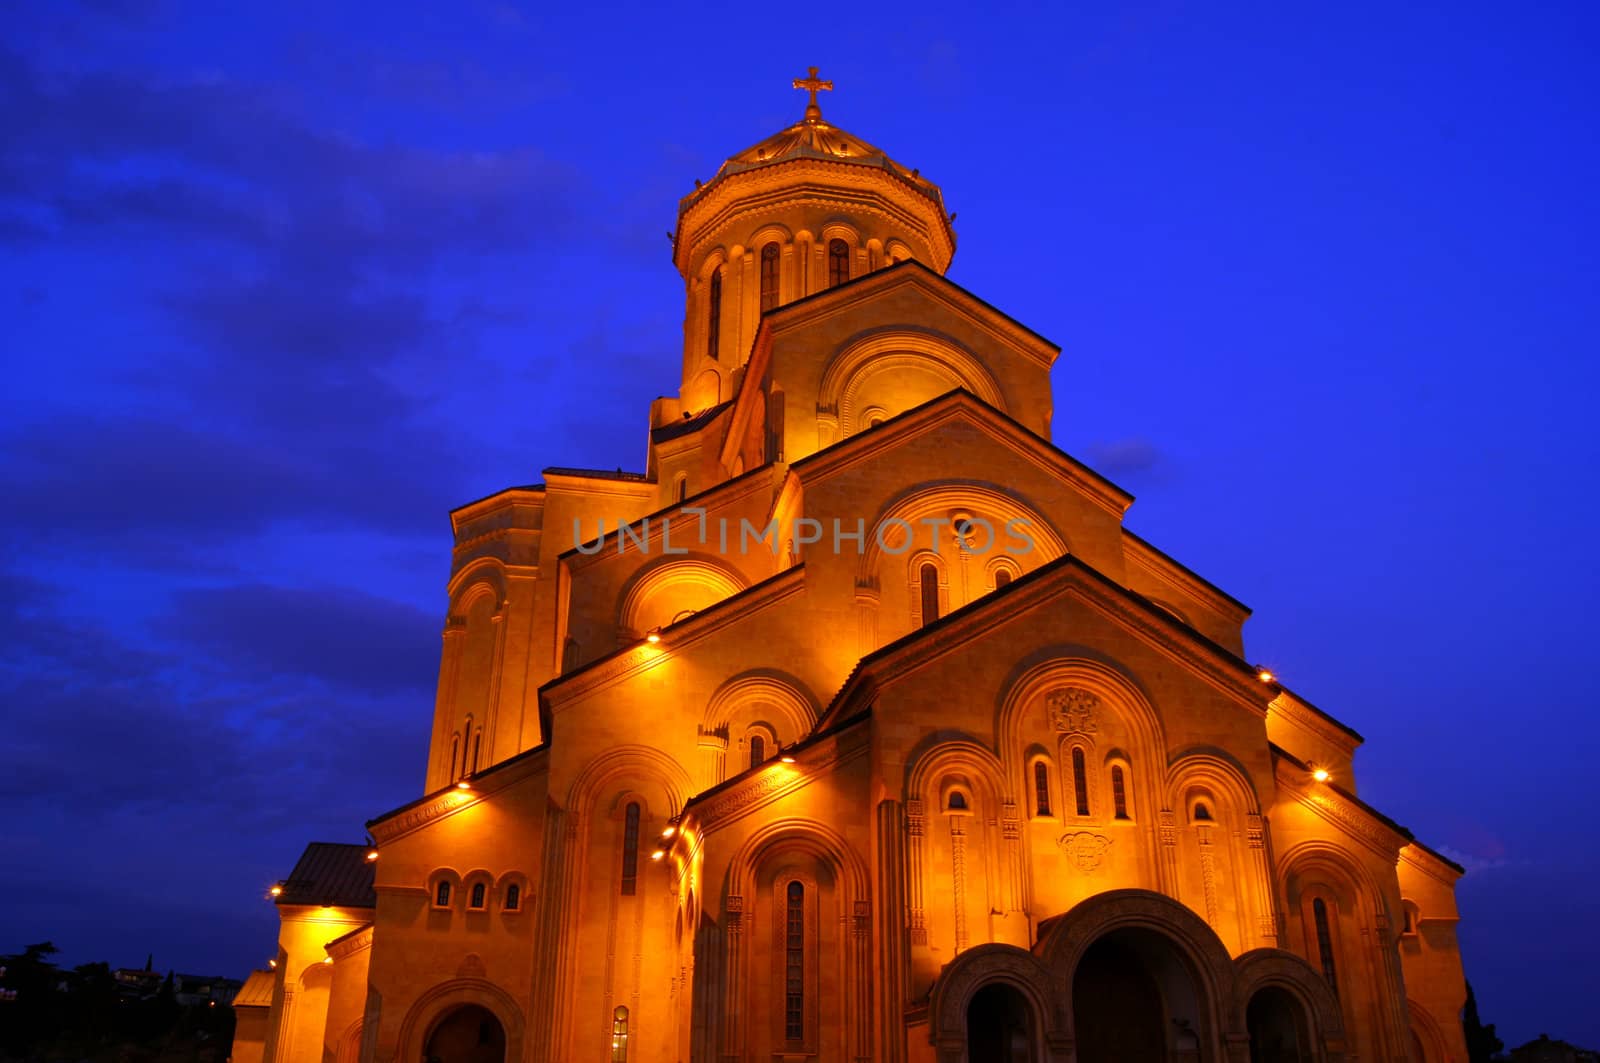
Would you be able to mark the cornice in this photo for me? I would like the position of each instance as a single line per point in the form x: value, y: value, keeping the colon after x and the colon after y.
x: 773, y: 782
x: 1153, y: 560
x: 963, y: 405
x: 342, y: 948
x: 626, y: 663
x: 1331, y: 805
x: 410, y: 818
x: 831, y: 302
x: 1325, y: 727
x: 1432, y: 864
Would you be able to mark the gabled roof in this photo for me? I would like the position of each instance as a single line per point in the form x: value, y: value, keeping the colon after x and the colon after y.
x: 256, y: 991
x: 331, y: 873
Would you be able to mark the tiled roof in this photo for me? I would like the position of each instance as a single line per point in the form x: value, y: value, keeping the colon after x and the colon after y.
x: 331, y: 873
x: 256, y: 991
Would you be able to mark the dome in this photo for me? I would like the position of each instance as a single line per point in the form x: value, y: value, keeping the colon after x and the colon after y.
x: 814, y: 138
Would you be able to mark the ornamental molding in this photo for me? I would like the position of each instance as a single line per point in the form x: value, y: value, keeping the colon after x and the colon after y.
x: 1073, y: 710
x: 1086, y: 850
x: 350, y: 944
x: 447, y: 802
x: 1294, y: 711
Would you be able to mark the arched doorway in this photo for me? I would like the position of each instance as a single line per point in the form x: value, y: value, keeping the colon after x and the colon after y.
x: 1134, y: 1000
x: 468, y: 1034
x: 999, y: 1026
x: 1277, y: 1025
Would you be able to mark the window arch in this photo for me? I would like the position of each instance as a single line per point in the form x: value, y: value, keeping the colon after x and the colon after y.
x: 1080, y: 781
x: 714, y: 315
x: 619, y: 1034
x: 513, y: 902
x: 477, y: 747
x: 769, y: 277
x: 838, y: 262
x: 928, y: 589
x: 441, y: 894
x: 479, y: 897
x: 1119, y: 792
x: 681, y: 490
x: 758, y: 751
x: 630, y: 850
x: 1041, y: 788
x: 957, y: 802
x: 455, y: 756
x: 1002, y: 577
x: 1319, y: 916
x: 794, y: 963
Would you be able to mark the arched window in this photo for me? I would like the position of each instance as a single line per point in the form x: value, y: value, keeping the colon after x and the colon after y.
x: 479, y: 896
x: 1319, y: 915
x: 1119, y: 792
x: 769, y: 277
x: 928, y: 579
x: 758, y: 751
x: 1080, y: 783
x: 441, y: 895
x: 1041, y: 788
x: 683, y: 486
x: 1202, y: 813
x: 477, y: 744
x: 619, y: 1035
x: 455, y: 756
x: 794, y: 983
x: 838, y: 262
x: 714, y: 322
x: 957, y: 801
x: 630, y: 850
x: 1002, y: 578
x: 513, y: 897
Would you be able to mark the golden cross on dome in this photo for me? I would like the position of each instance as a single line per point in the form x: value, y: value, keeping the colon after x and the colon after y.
x: 812, y: 84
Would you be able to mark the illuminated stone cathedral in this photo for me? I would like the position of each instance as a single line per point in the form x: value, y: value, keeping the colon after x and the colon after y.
x: 855, y: 727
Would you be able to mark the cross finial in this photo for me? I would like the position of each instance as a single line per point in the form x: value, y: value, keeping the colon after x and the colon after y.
x: 812, y: 84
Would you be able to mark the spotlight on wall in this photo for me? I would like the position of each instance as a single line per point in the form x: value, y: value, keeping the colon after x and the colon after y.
x: 463, y: 785
x: 658, y: 854
x: 653, y: 636
x: 1320, y: 774
x: 1265, y: 674
x: 669, y: 831
x: 372, y: 854
x: 276, y: 891
x: 786, y: 759
x: 273, y: 964
x: 327, y: 959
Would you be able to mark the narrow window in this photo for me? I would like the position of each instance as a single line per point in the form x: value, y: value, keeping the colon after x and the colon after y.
x: 1202, y: 814
x: 479, y: 895
x: 1041, y: 788
x: 714, y: 324
x: 477, y: 743
x: 455, y: 755
x: 513, y: 897
x: 1410, y: 926
x: 957, y: 802
x: 630, y: 850
x: 1002, y: 578
x: 758, y: 751
x: 769, y: 277
x: 794, y: 987
x: 1119, y: 792
x: 619, y: 1035
x: 441, y: 896
x: 1319, y: 913
x: 683, y: 488
x: 929, y: 578
x: 1080, y: 783
x: 838, y: 262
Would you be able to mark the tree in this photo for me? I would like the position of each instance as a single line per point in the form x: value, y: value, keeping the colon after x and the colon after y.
x: 1482, y: 1045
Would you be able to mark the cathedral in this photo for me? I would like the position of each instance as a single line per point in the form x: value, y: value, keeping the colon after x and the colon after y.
x: 855, y: 727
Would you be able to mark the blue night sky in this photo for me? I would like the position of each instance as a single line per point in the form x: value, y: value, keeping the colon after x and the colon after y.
x: 278, y: 289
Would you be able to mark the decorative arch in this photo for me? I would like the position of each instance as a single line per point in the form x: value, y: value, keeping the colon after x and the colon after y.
x: 1259, y: 969
x: 630, y: 762
x: 840, y: 394
x: 1066, y: 938
x: 952, y: 752
x: 810, y: 837
x: 939, y: 498
x: 660, y: 591
x: 1435, y: 1048
x: 994, y: 964
x: 434, y: 1004
x: 797, y: 708
x: 486, y: 575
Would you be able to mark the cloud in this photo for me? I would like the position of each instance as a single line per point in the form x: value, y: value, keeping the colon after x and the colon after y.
x: 1122, y: 457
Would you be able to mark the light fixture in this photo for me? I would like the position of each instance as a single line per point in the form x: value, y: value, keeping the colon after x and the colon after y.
x: 653, y: 636
x: 273, y: 964
x: 1320, y: 774
x: 669, y: 831
x: 786, y: 759
x: 463, y: 785
x: 1264, y: 674
x: 372, y: 854
x: 276, y: 891
x: 327, y: 959
x: 658, y: 854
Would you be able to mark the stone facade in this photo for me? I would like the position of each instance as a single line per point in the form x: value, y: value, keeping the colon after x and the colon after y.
x: 870, y: 734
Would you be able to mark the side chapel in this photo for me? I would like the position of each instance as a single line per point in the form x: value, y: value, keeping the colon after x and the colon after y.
x: 896, y: 795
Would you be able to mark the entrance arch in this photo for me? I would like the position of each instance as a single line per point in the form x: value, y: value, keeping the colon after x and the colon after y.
x: 1277, y: 1026
x: 1134, y: 997
x: 466, y: 1034
x: 1000, y: 1026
